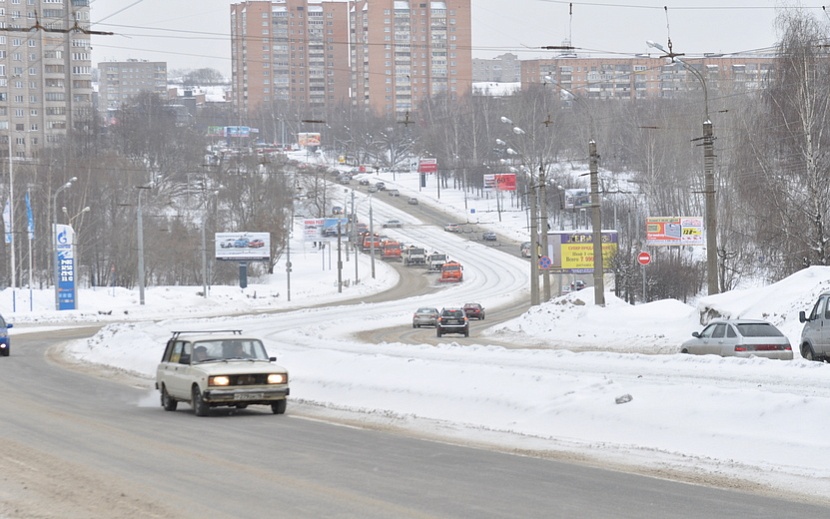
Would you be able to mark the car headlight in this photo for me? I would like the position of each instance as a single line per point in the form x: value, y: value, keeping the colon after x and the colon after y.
x: 219, y: 380
x: 277, y: 378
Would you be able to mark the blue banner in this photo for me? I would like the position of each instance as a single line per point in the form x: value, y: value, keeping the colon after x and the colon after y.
x: 30, y: 217
x: 65, y: 251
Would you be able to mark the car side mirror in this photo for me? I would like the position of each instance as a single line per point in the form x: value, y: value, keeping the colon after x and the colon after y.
x: 696, y: 335
x: 9, y: 325
x: 272, y: 359
x: 802, y: 317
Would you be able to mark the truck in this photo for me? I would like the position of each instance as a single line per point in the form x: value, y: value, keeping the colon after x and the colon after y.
x: 435, y: 261
x: 451, y: 272
x: 370, y: 241
x: 390, y: 250
x: 414, y: 256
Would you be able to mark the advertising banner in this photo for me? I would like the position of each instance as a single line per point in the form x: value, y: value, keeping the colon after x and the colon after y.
x: 243, y: 246
x: 500, y: 181
x: 573, y: 251
x: 65, y: 257
x: 306, y: 140
x: 577, y: 198
x: 674, y: 231
x: 428, y: 165
x: 325, y: 229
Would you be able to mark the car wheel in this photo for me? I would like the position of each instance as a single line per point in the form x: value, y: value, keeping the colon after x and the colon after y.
x: 6, y: 351
x: 279, y: 406
x: 438, y: 333
x: 466, y: 333
x: 166, y: 401
x: 807, y: 352
x: 200, y: 407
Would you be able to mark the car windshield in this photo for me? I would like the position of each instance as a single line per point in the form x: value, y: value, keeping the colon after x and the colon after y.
x: 205, y: 351
x: 759, y: 330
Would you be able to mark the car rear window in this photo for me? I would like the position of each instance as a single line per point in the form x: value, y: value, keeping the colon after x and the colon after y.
x: 454, y: 313
x: 759, y: 330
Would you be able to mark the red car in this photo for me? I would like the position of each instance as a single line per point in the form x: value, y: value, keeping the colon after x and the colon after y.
x: 474, y: 311
x: 255, y: 244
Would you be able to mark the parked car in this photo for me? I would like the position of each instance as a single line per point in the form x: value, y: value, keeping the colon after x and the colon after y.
x: 452, y: 320
x: 412, y: 201
x: 219, y: 368
x: 452, y: 227
x: 363, y: 181
x: 373, y: 189
x: 425, y: 317
x: 740, y: 338
x: 489, y: 236
x: 393, y: 192
x: 474, y: 311
x: 5, y: 341
x: 392, y: 224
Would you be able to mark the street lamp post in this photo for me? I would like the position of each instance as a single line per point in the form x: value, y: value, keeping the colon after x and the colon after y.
x: 708, y: 173
x: 55, y: 264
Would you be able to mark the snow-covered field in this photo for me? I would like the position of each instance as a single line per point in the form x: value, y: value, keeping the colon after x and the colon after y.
x: 753, y: 420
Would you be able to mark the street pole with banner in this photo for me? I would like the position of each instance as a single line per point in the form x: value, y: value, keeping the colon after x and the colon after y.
x: 65, y: 250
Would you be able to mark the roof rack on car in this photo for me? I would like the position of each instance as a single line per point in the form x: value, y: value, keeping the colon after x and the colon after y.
x: 176, y: 334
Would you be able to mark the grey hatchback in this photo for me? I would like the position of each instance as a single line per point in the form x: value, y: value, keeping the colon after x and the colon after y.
x: 740, y: 338
x: 425, y: 316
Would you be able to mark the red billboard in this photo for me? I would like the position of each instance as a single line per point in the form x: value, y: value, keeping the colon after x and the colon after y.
x: 500, y: 181
x: 428, y: 166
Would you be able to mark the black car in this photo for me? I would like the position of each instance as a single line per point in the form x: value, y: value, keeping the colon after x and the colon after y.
x: 489, y: 236
x: 452, y: 320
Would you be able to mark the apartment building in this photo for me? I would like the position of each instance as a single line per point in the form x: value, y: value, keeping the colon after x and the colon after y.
x: 120, y: 80
x: 45, y: 77
x: 294, y: 52
x: 505, y: 68
x: 405, y: 51
x: 383, y: 55
x: 647, y: 77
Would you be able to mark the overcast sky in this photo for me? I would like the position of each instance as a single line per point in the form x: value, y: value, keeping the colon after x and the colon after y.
x: 195, y: 33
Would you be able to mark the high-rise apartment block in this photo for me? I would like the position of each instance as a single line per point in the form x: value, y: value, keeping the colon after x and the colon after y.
x: 317, y: 55
x: 120, y: 80
x: 640, y: 78
x: 45, y: 77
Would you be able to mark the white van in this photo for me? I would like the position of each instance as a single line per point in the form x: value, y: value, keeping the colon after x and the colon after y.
x: 815, y: 336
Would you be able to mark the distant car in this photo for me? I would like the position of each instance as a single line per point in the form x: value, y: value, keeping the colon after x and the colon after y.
x: 393, y: 192
x: 425, y: 317
x: 256, y: 244
x: 474, y: 311
x: 489, y: 236
x: 219, y: 368
x: 452, y: 227
x: 390, y: 224
x: 381, y: 186
x: 363, y: 181
x: 336, y: 210
x: 412, y: 201
x: 524, y: 249
x: 577, y: 284
x: 452, y: 320
x: 373, y: 189
x: 740, y: 338
x: 5, y: 341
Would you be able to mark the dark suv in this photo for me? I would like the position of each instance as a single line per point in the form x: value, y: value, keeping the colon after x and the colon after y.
x: 452, y: 320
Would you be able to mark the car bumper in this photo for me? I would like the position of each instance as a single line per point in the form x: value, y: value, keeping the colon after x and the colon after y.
x: 245, y: 396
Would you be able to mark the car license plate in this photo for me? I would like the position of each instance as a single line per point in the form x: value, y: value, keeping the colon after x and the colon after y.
x: 248, y: 396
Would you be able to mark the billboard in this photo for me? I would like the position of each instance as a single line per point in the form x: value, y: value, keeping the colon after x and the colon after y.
x: 500, y: 181
x: 573, y: 251
x: 65, y: 255
x: 663, y: 231
x: 242, y: 246
x: 428, y: 165
x: 325, y: 229
x: 307, y: 140
x: 577, y: 198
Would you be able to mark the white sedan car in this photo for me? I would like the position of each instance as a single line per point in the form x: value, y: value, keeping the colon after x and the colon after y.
x: 740, y: 338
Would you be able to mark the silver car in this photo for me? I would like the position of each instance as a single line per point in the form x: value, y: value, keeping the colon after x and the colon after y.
x: 425, y: 317
x: 740, y: 338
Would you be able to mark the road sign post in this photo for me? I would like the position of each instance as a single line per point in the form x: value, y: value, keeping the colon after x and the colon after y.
x: 644, y: 258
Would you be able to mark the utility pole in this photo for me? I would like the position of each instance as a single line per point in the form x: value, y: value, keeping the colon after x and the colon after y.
x: 596, y: 225
x: 711, y: 213
x: 339, y: 261
x: 543, y: 209
x: 534, y: 246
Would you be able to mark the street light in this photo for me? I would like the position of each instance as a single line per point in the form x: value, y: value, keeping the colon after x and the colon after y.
x: 708, y: 173
x: 55, y: 264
